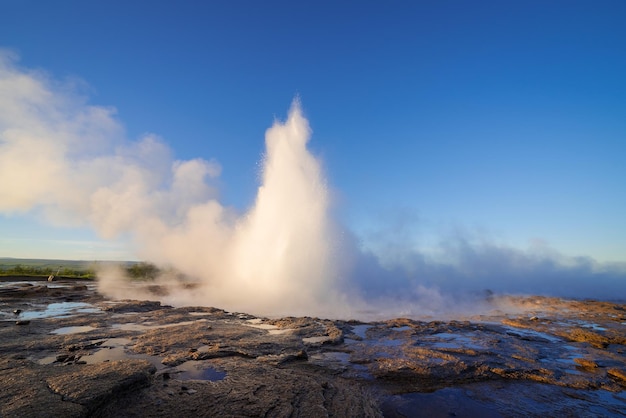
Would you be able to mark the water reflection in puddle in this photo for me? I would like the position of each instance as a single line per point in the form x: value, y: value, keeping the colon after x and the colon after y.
x: 59, y: 310
x: 21, y: 284
x: 338, y: 359
x: 47, y: 360
x: 112, y: 349
x: 193, y: 370
x: 400, y: 329
x: 115, y: 349
x: 72, y: 330
x: 531, y: 334
x: 316, y: 340
x: 271, y: 329
x: 452, y: 341
x: 361, y: 330
x: 566, y: 360
x: 390, y: 343
x: 44, y: 283
x: 149, y: 326
x: 442, y: 403
x: 595, y: 327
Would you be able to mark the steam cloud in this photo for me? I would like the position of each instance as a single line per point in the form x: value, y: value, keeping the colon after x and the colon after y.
x: 70, y: 163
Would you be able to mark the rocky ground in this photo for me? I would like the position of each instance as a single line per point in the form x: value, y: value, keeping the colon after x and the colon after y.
x: 67, y: 351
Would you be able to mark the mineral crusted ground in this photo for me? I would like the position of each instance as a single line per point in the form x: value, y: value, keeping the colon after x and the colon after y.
x: 72, y: 353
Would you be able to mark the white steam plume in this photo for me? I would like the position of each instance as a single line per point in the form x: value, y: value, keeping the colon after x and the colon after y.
x: 278, y: 257
x: 71, y: 162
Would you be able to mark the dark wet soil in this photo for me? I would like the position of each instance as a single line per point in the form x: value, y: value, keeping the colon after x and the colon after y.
x: 67, y: 351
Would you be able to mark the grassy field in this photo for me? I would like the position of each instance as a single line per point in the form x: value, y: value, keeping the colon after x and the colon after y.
x: 38, y: 267
x: 35, y: 267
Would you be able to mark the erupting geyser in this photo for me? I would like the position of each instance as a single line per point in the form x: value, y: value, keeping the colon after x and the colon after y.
x: 278, y: 258
x: 282, y: 247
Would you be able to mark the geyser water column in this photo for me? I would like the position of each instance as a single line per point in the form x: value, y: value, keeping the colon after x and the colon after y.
x: 283, y: 247
x: 279, y: 258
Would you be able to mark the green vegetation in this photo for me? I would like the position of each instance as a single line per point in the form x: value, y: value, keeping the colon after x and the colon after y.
x: 71, y: 268
x: 22, y: 270
x: 36, y: 268
x: 142, y: 271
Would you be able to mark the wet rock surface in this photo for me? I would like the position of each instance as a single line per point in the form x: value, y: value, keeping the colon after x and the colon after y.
x: 82, y: 355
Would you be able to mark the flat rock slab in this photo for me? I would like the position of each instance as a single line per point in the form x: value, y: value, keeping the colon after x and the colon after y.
x: 25, y: 393
x: 95, y: 384
x: 70, y: 391
x: 83, y: 355
x: 251, y: 389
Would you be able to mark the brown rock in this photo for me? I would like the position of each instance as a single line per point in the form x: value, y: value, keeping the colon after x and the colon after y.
x: 94, y: 385
x: 619, y: 374
x: 586, y: 363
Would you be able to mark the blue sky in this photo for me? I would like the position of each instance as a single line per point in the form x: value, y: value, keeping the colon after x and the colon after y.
x: 501, y: 121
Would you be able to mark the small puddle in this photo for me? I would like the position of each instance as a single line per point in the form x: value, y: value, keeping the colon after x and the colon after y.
x: 279, y: 331
x: 442, y: 403
x: 534, y: 335
x: 109, y: 350
x: 193, y: 370
x: 316, y: 340
x: 148, y: 326
x: 115, y: 349
x: 595, y: 327
x: 401, y: 329
x: 47, y: 360
x: 452, y: 341
x: 566, y: 361
x: 20, y: 285
x: 389, y: 342
x: 361, y: 330
x: 271, y: 329
x: 72, y: 330
x: 584, y: 324
x: 262, y: 326
x: 341, y: 360
x: 69, y: 285
x: 60, y: 310
x: 112, y: 349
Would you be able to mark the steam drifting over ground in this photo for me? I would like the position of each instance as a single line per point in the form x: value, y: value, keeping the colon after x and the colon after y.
x: 69, y: 163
